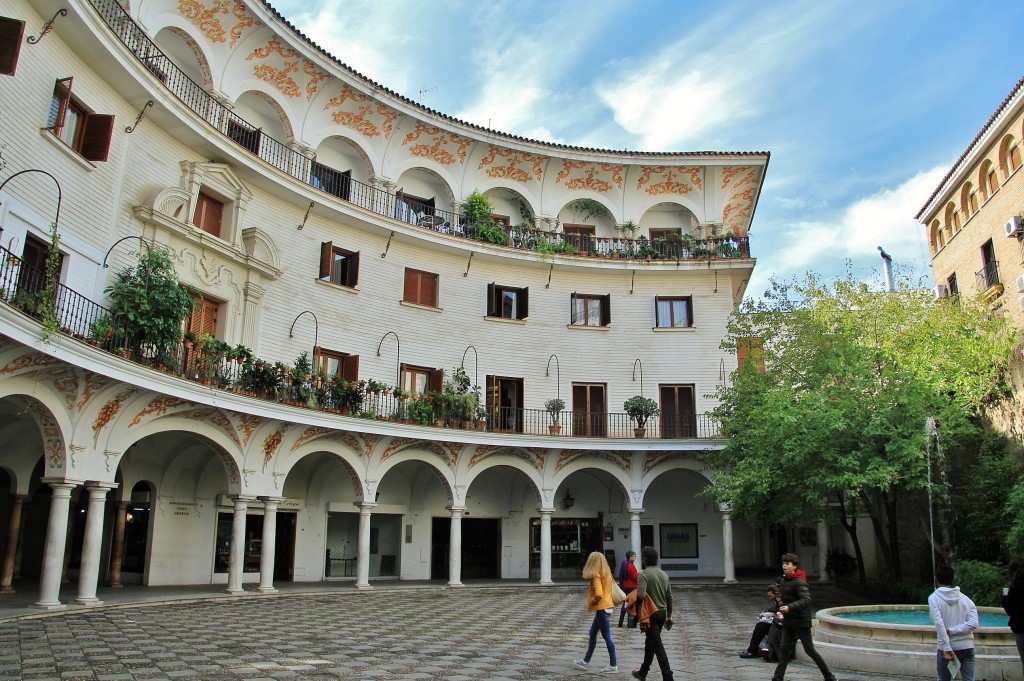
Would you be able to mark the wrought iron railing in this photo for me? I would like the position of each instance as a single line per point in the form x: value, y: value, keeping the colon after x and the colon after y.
x: 24, y: 287
x: 341, y: 185
x: 987, y: 276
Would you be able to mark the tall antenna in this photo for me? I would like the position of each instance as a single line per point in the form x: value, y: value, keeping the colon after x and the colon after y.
x: 426, y: 90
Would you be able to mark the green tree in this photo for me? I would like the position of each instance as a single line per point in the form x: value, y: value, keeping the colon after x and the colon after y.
x: 830, y: 416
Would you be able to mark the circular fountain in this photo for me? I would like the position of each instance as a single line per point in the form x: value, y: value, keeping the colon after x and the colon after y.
x: 900, y: 640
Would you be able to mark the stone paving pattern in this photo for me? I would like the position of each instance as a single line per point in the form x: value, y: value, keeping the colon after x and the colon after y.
x: 469, y: 634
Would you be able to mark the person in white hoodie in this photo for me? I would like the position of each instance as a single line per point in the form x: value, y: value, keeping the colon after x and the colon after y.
x: 955, y: 617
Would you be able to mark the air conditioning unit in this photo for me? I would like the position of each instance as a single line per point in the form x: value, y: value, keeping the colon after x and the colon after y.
x: 1014, y: 226
x: 940, y: 291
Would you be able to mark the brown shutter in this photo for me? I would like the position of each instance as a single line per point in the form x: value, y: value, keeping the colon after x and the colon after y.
x: 352, y: 272
x: 428, y: 290
x: 436, y: 381
x: 96, y: 135
x: 606, y: 310
x: 410, y: 286
x: 524, y: 303
x: 350, y: 368
x: 492, y: 306
x: 572, y: 305
x: 62, y: 92
x: 11, y: 32
x: 326, y: 258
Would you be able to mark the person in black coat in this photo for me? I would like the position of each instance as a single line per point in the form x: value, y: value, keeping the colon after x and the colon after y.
x: 795, y: 614
x: 764, y: 622
x: 1013, y: 604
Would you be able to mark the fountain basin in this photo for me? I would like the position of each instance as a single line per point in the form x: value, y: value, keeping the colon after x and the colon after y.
x: 849, y: 639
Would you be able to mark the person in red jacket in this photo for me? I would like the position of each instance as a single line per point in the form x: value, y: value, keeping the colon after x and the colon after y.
x: 628, y: 576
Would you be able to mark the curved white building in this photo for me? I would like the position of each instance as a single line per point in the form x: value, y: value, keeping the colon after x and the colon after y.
x: 309, y: 209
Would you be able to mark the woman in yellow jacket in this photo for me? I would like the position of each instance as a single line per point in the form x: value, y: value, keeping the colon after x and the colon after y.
x: 599, y: 602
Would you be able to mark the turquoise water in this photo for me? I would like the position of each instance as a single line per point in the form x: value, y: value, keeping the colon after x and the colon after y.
x: 920, y: 617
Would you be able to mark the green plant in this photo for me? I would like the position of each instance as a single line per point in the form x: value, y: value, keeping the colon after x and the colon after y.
x: 376, y: 386
x: 839, y: 564
x: 584, y: 209
x: 421, y: 410
x: 628, y: 229
x: 554, y: 407
x: 149, y: 305
x: 48, y: 296
x: 547, y: 248
x: 242, y: 353
x: 491, y: 232
x: 640, y: 409
x: 477, y: 208
x: 983, y: 582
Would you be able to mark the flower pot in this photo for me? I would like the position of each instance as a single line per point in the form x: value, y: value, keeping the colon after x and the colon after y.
x: 554, y: 429
x: 639, y: 432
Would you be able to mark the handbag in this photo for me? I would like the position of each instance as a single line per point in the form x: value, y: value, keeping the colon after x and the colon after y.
x: 618, y: 595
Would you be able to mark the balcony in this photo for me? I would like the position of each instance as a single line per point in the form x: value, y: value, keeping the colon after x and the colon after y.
x: 341, y: 186
x: 218, y: 366
x: 987, y: 280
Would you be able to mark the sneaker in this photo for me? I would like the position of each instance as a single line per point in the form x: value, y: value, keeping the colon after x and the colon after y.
x: 581, y: 663
x: 610, y: 669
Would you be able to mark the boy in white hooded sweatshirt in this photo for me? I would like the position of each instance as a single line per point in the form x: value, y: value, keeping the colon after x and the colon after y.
x: 955, y: 617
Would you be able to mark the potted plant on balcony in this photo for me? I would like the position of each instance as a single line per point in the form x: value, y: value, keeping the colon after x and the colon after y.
x: 554, y: 407
x: 421, y: 410
x: 640, y: 409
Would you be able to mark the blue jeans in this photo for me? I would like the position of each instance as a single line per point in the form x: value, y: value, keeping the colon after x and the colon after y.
x: 966, y: 657
x: 601, y: 622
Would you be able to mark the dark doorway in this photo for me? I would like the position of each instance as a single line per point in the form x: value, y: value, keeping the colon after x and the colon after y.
x: 646, y: 535
x: 284, y: 547
x: 481, y: 548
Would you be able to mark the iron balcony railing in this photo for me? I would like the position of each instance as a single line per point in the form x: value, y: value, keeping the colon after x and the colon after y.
x: 24, y: 287
x: 394, y: 206
x: 987, y: 276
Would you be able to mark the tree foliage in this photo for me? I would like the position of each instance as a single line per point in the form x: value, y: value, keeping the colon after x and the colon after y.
x: 835, y: 421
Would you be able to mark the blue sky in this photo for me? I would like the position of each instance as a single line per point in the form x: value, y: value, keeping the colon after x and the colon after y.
x: 864, y: 106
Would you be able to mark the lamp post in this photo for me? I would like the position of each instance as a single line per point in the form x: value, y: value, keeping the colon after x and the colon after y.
x: 145, y: 243
x: 398, y: 357
x: 316, y: 330
x: 558, y: 375
x: 3, y: 184
x: 635, y: 363
x: 476, y: 364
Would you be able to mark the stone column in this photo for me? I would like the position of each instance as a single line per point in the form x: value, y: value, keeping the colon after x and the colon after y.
x: 13, y: 534
x: 634, y: 530
x: 729, y: 561
x: 545, y: 546
x: 89, y: 568
x: 822, y: 551
x: 267, y: 550
x: 363, y: 557
x: 455, y: 547
x: 117, y: 544
x: 236, y: 559
x: 56, y: 543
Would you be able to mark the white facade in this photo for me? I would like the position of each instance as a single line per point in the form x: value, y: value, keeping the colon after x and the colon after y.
x: 352, y: 498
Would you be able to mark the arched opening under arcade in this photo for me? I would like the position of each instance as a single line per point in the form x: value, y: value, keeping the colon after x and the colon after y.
x: 685, y: 527
x: 408, y: 497
x: 591, y: 514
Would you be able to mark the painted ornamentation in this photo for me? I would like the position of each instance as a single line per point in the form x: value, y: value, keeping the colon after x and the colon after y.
x: 206, y: 20
x: 361, y: 443
x: 436, y: 150
x: 280, y: 77
x: 395, y: 445
x: 157, y: 406
x: 216, y: 418
x: 53, y: 444
x: 308, y: 434
x: 108, y: 411
x: 93, y: 382
x: 272, y: 442
x: 365, y: 119
x: 510, y: 168
x: 589, y: 179
x: 740, y: 184
x: 663, y: 179
x: 29, y: 359
x: 247, y: 423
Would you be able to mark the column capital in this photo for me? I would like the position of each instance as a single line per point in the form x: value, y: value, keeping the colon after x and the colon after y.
x: 97, y: 486
x: 637, y: 511
x: 546, y: 511
x: 725, y: 508
x: 455, y: 509
x: 366, y: 506
x: 61, y: 483
x: 271, y: 499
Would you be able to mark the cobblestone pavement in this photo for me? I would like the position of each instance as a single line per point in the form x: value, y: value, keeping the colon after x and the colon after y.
x: 470, y: 634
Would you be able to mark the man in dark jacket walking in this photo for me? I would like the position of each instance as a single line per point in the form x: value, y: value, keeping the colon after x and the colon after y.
x: 795, y: 615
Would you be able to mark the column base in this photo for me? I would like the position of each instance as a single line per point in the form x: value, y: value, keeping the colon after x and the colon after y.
x: 455, y: 585
x: 266, y: 589
x: 730, y: 581
x: 546, y: 582
x: 117, y: 586
x: 88, y: 602
x: 6, y: 590
x: 364, y: 587
x: 55, y: 605
x: 235, y: 592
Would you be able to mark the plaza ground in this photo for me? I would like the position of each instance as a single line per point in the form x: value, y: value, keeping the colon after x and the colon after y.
x: 400, y: 631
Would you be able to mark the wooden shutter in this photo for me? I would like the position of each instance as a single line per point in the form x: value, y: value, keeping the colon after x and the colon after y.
x: 606, y: 310
x: 204, y: 317
x: 428, y: 289
x: 61, y: 93
x: 350, y: 368
x: 352, y: 271
x: 572, y: 305
x: 208, y: 214
x: 657, y: 312
x: 326, y: 258
x: 11, y: 32
x: 96, y: 133
x: 410, y: 285
x: 492, y: 304
x: 436, y: 381
x: 524, y: 300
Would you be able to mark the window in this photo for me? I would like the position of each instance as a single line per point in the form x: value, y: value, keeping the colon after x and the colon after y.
x: 11, y: 32
x: 972, y: 203
x: 678, y: 416
x: 580, y: 237
x: 990, y: 267
x: 338, y: 266
x: 244, y: 135
x: 951, y: 284
x: 330, y: 180
x: 86, y: 132
x: 679, y: 540
x: 32, y: 275
x: 993, y: 181
x: 204, y: 317
x: 342, y: 364
x: 504, y: 400
x: 507, y: 302
x: 673, y: 312
x: 588, y: 409
x: 590, y: 310
x: 1015, y: 158
x: 209, y: 214
x: 417, y: 380
x: 420, y: 287
x: 409, y: 208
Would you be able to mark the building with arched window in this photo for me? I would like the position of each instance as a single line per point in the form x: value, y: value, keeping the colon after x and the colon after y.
x: 377, y: 381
